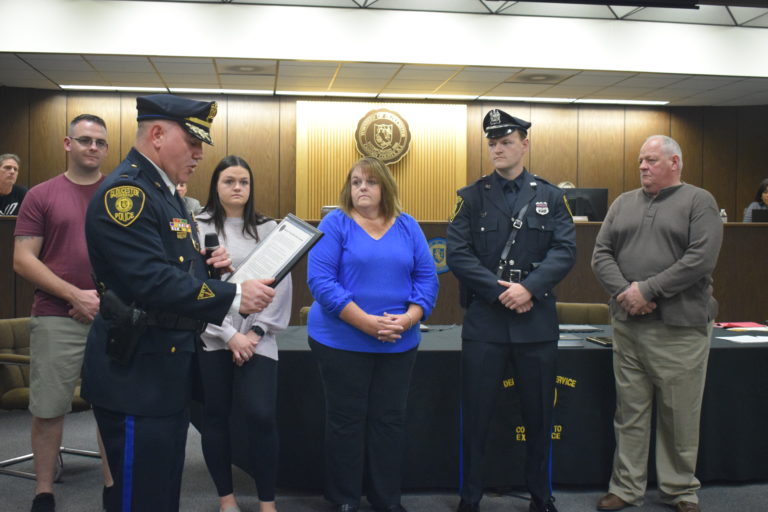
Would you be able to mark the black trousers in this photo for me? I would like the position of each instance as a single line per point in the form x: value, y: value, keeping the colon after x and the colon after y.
x: 483, y: 366
x: 366, y: 398
x: 146, y: 458
x: 253, y: 388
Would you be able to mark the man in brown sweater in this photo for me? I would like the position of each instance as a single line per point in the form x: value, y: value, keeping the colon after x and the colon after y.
x: 655, y: 254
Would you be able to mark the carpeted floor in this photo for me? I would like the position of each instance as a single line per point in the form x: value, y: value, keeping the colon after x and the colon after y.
x: 80, y: 487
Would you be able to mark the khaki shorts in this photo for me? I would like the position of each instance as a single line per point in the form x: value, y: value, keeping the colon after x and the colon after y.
x: 57, y: 345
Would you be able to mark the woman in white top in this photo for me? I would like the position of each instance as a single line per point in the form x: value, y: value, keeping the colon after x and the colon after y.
x: 238, y: 364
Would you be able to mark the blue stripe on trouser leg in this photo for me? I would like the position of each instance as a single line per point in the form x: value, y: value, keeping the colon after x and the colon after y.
x: 130, y: 425
x: 549, y: 464
x: 461, y: 445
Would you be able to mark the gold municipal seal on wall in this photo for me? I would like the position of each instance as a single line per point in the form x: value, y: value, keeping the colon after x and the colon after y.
x: 383, y: 134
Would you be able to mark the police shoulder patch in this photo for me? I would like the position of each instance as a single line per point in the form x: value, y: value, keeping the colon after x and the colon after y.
x: 456, y: 208
x: 205, y: 293
x: 124, y: 203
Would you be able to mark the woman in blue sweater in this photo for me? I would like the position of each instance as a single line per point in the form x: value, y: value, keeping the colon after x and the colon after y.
x: 373, y: 279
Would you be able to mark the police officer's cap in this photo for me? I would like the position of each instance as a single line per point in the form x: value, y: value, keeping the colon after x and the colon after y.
x: 194, y: 116
x: 498, y: 123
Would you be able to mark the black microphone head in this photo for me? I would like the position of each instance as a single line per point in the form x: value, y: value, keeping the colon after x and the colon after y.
x: 211, y: 240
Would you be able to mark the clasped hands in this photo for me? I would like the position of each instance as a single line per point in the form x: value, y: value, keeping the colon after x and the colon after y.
x: 256, y: 294
x: 388, y: 327
x: 516, y: 297
x: 243, y: 346
x: 633, y: 302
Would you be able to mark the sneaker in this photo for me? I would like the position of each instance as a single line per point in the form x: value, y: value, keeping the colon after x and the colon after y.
x: 43, y: 502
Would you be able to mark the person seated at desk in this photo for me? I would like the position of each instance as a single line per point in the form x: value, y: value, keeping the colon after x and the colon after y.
x: 11, y: 194
x: 760, y: 202
x: 373, y: 279
x: 238, y: 363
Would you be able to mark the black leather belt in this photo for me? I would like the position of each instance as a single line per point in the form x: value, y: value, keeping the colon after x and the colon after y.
x: 173, y: 321
x: 514, y: 275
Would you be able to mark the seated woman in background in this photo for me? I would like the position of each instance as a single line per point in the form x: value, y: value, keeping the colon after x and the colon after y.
x: 760, y: 202
x: 238, y: 363
x: 373, y: 279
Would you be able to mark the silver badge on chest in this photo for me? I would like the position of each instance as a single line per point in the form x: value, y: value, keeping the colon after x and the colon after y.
x: 542, y: 208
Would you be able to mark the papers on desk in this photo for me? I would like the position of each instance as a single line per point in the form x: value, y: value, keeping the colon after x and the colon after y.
x: 578, y: 328
x: 745, y: 338
x: 739, y: 325
x: 577, y: 343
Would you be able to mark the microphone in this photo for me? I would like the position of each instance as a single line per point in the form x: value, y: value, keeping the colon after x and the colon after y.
x: 211, y: 244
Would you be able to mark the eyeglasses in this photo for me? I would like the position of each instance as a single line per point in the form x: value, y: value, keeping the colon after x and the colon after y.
x: 87, y: 141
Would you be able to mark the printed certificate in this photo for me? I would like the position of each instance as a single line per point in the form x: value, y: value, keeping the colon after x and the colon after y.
x: 278, y: 252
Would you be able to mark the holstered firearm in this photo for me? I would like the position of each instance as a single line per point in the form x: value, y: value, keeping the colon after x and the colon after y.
x: 126, y: 325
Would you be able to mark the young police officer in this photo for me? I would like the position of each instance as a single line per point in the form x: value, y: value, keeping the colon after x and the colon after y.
x: 510, y: 241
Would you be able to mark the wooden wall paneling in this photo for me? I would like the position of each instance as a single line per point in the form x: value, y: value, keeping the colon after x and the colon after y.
x: 7, y: 277
x: 519, y: 110
x: 106, y: 106
x: 253, y: 133
x: 476, y: 146
x: 25, y: 295
x: 720, y: 158
x: 14, y: 130
x: 199, y: 181
x: 601, y: 149
x: 435, y: 167
x: 287, y: 164
x: 686, y: 129
x: 554, y: 143
x: 752, y: 157
x: 427, y: 176
x: 739, y: 281
x: 581, y: 285
x: 47, y: 129
x: 640, y: 123
x: 128, y: 124
x: 325, y: 149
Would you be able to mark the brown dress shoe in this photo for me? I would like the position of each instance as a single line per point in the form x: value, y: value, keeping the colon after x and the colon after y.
x: 687, y: 506
x: 611, y: 502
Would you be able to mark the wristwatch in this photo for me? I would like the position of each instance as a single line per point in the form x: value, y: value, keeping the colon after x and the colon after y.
x: 258, y: 330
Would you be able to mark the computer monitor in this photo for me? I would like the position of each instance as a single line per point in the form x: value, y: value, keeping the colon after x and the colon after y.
x: 588, y: 202
x: 759, y: 215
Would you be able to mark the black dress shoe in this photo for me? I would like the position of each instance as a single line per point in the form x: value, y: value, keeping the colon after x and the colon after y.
x: 391, y: 508
x: 347, y: 508
x: 547, y: 506
x: 465, y: 506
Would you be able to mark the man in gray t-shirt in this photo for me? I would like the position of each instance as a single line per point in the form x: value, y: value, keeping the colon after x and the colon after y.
x: 655, y: 254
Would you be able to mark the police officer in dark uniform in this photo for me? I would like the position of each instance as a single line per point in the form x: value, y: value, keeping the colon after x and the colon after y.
x: 510, y: 241
x: 156, y: 296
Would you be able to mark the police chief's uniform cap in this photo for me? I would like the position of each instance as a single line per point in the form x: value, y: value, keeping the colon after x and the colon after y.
x: 498, y: 123
x: 194, y: 116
